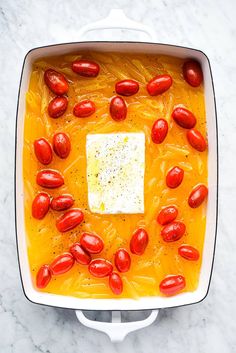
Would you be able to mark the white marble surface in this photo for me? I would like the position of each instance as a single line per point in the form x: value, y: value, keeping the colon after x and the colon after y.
x: 206, y: 327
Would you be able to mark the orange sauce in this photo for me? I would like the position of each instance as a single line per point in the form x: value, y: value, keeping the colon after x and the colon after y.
x: 160, y: 259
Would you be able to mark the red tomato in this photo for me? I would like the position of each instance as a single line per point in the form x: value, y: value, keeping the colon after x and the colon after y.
x: 139, y: 241
x: 173, y: 231
x: 62, y: 202
x: 57, y: 107
x: 40, y: 205
x: 188, y: 252
x: 127, y: 87
x: 69, y: 220
x: 192, y: 72
x: 57, y: 82
x: 118, y: 108
x: 196, y: 140
x: 184, y: 118
x: 172, y: 284
x: 159, y: 130
x: 62, y: 264
x: 174, y: 177
x: 91, y: 243
x: 86, y: 68
x: 159, y: 84
x: 122, y: 260
x: 80, y: 255
x: 43, y: 151
x: 115, y: 283
x: 61, y: 145
x: 48, y: 178
x: 167, y: 215
x: 43, y: 276
x: 100, y: 268
x: 197, y: 196
x: 84, y: 109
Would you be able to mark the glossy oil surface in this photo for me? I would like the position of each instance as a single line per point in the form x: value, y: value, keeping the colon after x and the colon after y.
x: 160, y: 259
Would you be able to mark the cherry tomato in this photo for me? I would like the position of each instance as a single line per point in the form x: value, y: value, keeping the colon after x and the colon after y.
x: 69, y: 220
x: 43, y: 276
x: 139, y: 241
x: 127, y: 87
x: 172, y: 284
x: 57, y: 82
x: 122, y: 260
x: 62, y: 264
x: 80, y: 255
x: 86, y: 68
x: 48, y: 178
x: 174, y: 177
x: 100, y: 268
x: 57, y: 107
x: 196, y: 140
x: 91, y: 243
x: 159, y: 130
x: 115, y: 283
x: 159, y: 84
x: 61, y: 145
x: 43, y: 151
x: 184, y: 118
x: 62, y: 202
x: 197, y: 196
x: 167, y: 215
x: 118, y: 108
x: 84, y: 109
x: 188, y: 252
x: 173, y: 231
x: 40, y: 205
x: 192, y: 72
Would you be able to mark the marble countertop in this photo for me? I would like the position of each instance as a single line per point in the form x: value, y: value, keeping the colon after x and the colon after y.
x: 206, y: 327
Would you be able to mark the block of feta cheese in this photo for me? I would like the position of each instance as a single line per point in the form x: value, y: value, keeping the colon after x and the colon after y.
x: 115, y: 172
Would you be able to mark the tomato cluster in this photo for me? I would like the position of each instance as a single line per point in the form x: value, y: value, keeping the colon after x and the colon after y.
x: 82, y: 251
x: 185, y: 119
x: 173, y: 231
x: 43, y: 201
x: 43, y: 149
x: 90, y: 244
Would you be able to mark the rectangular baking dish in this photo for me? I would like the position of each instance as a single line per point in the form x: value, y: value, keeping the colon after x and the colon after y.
x: 144, y: 303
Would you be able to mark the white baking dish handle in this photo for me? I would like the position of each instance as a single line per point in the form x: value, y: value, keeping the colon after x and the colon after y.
x: 116, y: 329
x: 117, y: 19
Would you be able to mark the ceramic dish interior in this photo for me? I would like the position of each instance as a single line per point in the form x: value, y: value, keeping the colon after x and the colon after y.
x: 208, y: 252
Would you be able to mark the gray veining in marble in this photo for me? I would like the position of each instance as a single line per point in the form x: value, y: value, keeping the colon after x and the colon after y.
x: 206, y: 327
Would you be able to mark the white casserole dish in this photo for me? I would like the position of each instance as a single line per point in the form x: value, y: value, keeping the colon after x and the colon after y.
x: 118, y: 330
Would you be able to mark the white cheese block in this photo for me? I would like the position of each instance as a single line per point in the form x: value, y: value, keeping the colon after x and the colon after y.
x: 115, y: 172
